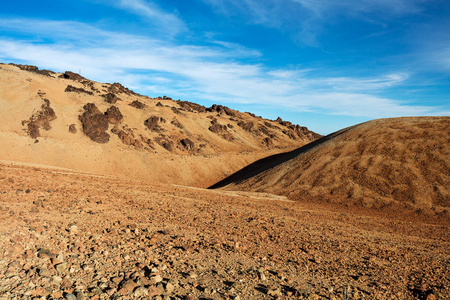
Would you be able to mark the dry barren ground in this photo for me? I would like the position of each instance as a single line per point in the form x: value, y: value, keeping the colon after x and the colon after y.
x: 67, y: 235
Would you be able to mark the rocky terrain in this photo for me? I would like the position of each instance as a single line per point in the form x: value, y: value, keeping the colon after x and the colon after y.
x: 69, y: 235
x: 389, y: 164
x: 66, y: 120
x: 101, y: 197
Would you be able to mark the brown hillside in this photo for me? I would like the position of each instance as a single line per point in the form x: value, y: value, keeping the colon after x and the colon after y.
x: 386, y: 162
x: 65, y: 120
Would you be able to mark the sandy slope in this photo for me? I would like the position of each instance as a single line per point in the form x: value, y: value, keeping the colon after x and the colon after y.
x: 143, y: 153
x: 382, y: 163
x: 65, y: 234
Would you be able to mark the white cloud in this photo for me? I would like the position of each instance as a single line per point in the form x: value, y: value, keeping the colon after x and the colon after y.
x: 166, y: 22
x: 198, y: 72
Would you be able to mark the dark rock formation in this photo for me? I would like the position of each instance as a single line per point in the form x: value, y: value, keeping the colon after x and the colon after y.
x: 72, y: 128
x: 187, y: 144
x: 72, y: 76
x: 191, y: 107
x: 114, y: 115
x: 152, y: 123
x: 137, y: 104
x: 71, y: 88
x: 247, y: 126
x: 165, y: 142
x: 117, y: 88
x: 95, y: 124
x: 221, y: 130
x: 176, y: 123
x: 33, y: 69
x: 111, y: 98
x: 128, y: 139
x: 175, y: 110
x: 221, y: 109
x: 40, y: 119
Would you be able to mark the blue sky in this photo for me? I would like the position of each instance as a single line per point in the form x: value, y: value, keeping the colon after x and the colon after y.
x: 324, y: 64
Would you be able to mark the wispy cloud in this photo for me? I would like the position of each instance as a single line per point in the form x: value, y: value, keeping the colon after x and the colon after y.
x: 213, y: 73
x: 305, y: 20
x: 151, y: 13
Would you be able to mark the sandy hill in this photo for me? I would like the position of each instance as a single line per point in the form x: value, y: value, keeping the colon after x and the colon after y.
x: 381, y: 163
x: 65, y: 120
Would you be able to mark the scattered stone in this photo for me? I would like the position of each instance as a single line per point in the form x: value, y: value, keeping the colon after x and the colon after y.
x: 170, y: 288
x: 127, y: 286
x: 43, y: 272
x: 72, y: 128
x: 140, y: 292
x: 73, y: 229
x: 275, y: 292
x: 61, y: 268
x: 57, y: 280
x: 156, y: 279
x: 70, y: 297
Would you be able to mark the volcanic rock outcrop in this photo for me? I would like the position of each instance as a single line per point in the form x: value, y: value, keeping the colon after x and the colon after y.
x: 95, y: 124
x: 40, y: 119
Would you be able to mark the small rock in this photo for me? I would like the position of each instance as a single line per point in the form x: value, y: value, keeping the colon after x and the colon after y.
x: 154, y: 291
x: 61, y: 268
x: 44, y: 272
x: 66, y: 283
x: 70, y: 297
x: 155, y: 279
x: 275, y: 292
x: 140, y: 292
x: 73, y: 229
x: 127, y: 286
x: 261, y: 275
x: 170, y: 288
x: 57, y: 280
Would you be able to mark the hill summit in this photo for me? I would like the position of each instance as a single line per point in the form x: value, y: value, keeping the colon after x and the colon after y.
x: 382, y: 163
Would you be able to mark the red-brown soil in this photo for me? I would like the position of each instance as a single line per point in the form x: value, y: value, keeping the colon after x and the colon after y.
x: 400, y: 163
x: 65, y: 234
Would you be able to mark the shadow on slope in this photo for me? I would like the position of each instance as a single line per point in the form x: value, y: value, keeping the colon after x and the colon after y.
x: 272, y: 161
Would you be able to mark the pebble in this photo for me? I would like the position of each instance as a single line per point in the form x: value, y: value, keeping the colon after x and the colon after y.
x: 70, y: 297
x: 44, y: 272
x: 73, y: 230
x: 170, y: 288
x: 275, y: 292
x: 61, y: 268
x: 141, y: 291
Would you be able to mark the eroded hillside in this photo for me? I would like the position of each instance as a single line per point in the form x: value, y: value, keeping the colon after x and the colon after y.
x: 66, y: 120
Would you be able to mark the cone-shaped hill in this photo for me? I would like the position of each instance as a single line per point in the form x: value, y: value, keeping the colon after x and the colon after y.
x: 382, y: 163
x: 65, y: 120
